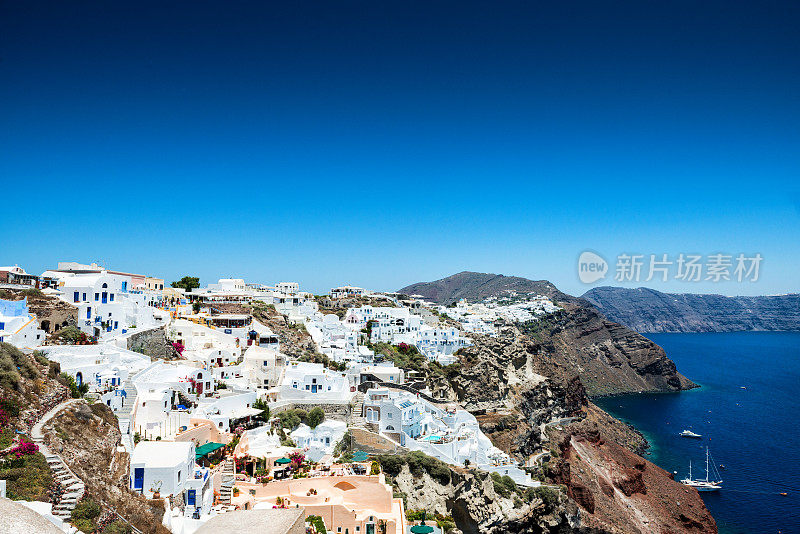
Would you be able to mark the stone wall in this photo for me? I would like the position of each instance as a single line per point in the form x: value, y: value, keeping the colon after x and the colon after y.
x: 153, y: 343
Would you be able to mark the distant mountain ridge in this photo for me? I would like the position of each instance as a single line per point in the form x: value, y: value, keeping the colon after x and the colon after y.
x: 474, y: 287
x: 647, y: 310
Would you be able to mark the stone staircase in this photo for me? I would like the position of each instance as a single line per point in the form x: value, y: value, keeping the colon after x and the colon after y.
x: 356, y: 415
x: 72, y: 486
x: 228, y: 480
x: 124, y: 415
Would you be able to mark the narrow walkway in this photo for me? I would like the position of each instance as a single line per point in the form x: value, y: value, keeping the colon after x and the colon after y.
x: 72, y: 486
x: 228, y: 480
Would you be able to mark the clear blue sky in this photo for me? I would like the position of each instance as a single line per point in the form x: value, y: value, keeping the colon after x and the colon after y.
x: 380, y: 144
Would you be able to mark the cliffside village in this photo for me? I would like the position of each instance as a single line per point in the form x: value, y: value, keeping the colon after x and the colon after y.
x: 219, y: 419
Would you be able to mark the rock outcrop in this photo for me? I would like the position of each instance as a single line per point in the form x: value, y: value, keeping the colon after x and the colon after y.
x: 471, y: 500
x: 648, y: 310
x: 617, y: 490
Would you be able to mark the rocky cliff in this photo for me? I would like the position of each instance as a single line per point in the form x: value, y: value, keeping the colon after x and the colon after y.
x: 648, y: 310
x: 609, y: 358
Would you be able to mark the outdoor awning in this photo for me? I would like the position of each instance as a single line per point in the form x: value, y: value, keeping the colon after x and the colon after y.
x: 207, y: 448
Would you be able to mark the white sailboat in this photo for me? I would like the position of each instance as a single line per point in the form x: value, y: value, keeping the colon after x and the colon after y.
x: 704, y: 484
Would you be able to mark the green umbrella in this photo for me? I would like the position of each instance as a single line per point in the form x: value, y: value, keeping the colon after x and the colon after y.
x: 422, y: 529
x: 283, y: 461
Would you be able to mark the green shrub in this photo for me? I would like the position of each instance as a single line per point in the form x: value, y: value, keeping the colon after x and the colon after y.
x: 315, y: 417
x: 86, y: 509
x: 28, y: 479
x: 549, y: 496
x: 319, y: 524
x: 504, y: 485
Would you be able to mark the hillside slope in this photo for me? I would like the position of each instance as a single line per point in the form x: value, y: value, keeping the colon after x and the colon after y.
x: 474, y: 286
x: 609, y: 358
x: 648, y: 310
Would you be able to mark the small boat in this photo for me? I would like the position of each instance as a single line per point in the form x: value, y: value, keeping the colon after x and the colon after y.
x: 689, y: 434
x: 704, y: 484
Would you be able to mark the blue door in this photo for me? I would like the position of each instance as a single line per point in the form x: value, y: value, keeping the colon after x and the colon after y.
x: 190, y: 497
x: 105, y: 297
x: 138, y: 478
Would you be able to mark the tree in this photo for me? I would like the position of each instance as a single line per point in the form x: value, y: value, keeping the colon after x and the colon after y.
x: 261, y: 404
x: 315, y: 417
x: 187, y: 282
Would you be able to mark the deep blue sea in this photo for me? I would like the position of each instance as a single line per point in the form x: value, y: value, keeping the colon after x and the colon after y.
x: 753, y: 432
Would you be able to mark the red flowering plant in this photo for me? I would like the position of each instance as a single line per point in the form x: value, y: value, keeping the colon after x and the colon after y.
x: 24, y: 448
x: 179, y: 347
x: 297, y: 459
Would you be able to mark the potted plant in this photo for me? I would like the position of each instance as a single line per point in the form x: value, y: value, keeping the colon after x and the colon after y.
x: 156, y: 489
x: 235, y: 491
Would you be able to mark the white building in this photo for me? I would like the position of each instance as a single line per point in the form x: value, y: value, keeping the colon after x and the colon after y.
x: 18, y: 326
x: 312, y: 383
x: 169, y: 468
x: 347, y: 291
x: 321, y: 440
x: 227, y: 410
x: 448, y: 433
x: 263, y: 367
x: 103, y: 301
x: 104, y: 368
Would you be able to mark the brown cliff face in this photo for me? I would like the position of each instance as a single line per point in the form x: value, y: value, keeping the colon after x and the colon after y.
x: 609, y: 358
x: 618, y: 490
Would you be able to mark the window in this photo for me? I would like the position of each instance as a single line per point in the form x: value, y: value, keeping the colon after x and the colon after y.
x: 89, y: 312
x: 116, y: 325
x: 389, y: 415
x: 179, y: 476
x: 338, y: 529
x: 84, y: 297
x: 96, y: 297
x: 76, y: 296
x: 111, y: 297
x: 2, y: 326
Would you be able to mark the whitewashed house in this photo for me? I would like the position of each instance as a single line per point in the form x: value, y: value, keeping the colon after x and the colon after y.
x: 448, y: 433
x: 321, y: 440
x: 168, y: 468
x: 311, y: 383
x: 226, y: 411
x: 263, y: 367
x: 99, y: 297
x: 104, y: 368
x: 18, y: 326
